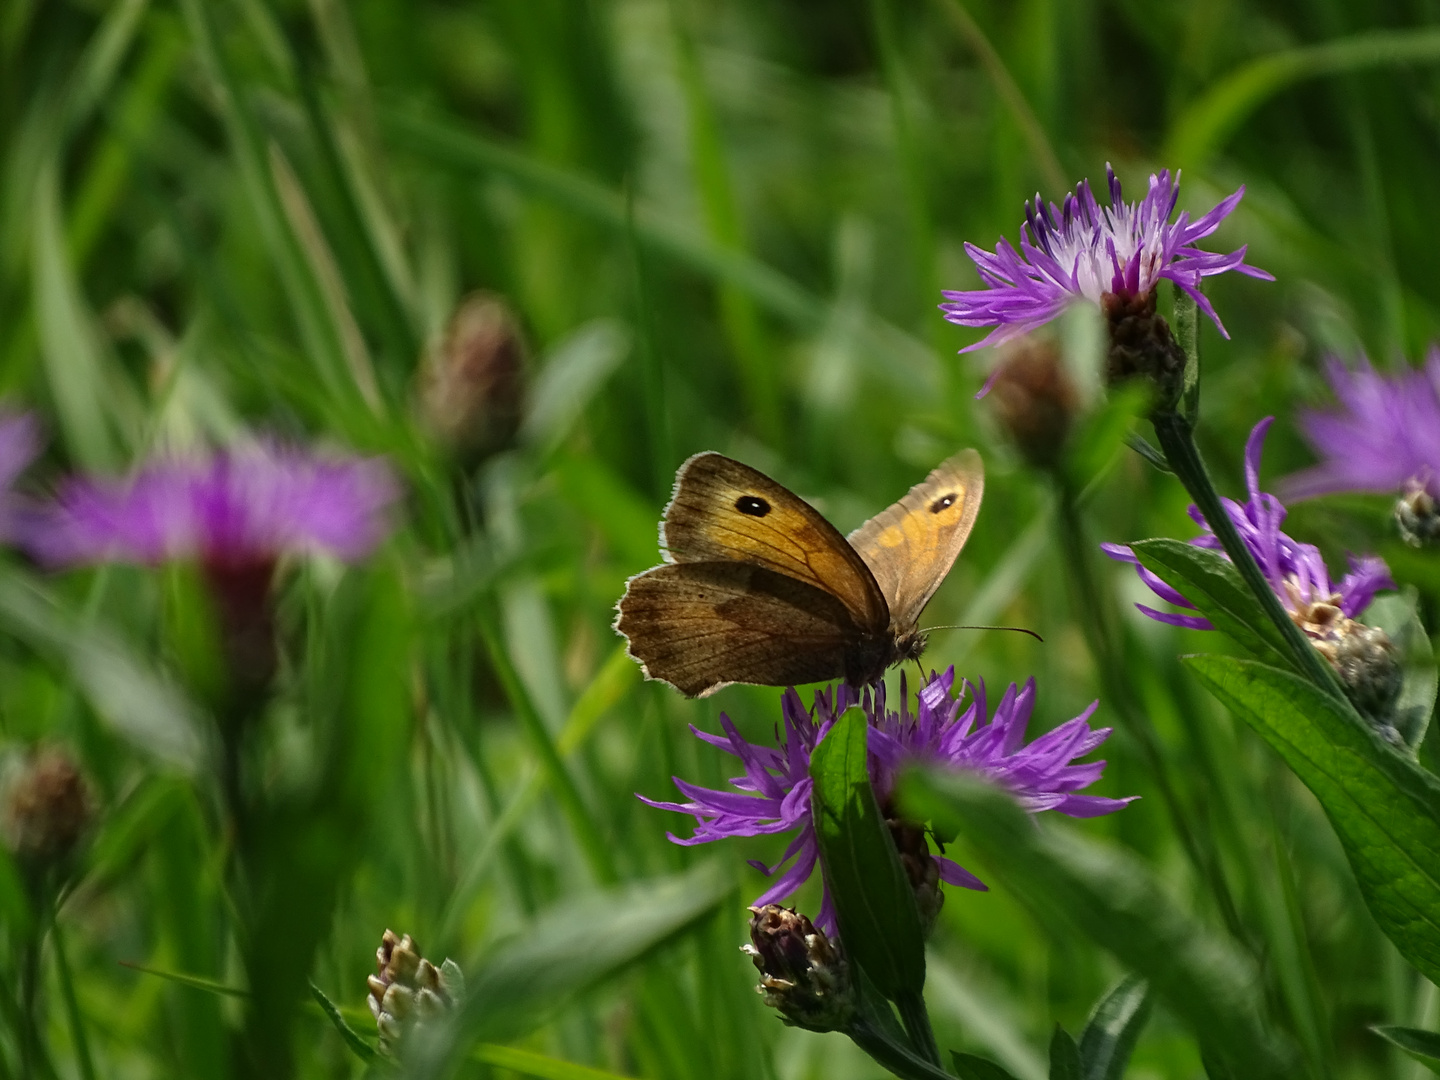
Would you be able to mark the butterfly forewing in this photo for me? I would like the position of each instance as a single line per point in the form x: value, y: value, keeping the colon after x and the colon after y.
x: 911, y: 546
x: 702, y: 625
x: 723, y: 511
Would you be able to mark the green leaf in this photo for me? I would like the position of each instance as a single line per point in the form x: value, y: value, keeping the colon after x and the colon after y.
x: 1384, y: 807
x: 1423, y: 1046
x: 573, y: 373
x: 1074, y: 884
x: 1205, y: 126
x: 1114, y: 1027
x: 529, y: 1063
x: 363, y: 1050
x: 874, y: 903
x: 1211, y: 582
x: 1187, y: 333
x: 971, y: 1067
x: 194, y: 982
x: 566, y: 951
x: 1064, y: 1056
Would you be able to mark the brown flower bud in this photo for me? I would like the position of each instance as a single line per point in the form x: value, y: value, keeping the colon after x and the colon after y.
x: 802, y: 973
x: 473, y: 379
x: 1035, y: 399
x: 408, y: 992
x: 1142, y: 346
x: 921, y: 868
x: 46, y: 808
x: 1363, y: 656
x: 1417, y: 514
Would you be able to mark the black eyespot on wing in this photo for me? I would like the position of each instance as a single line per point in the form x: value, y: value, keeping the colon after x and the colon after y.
x: 752, y: 505
x: 943, y: 503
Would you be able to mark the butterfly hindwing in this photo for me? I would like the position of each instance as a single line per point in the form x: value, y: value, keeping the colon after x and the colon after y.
x: 702, y: 625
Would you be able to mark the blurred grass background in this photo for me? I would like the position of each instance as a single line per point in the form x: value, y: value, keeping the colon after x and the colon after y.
x: 721, y: 225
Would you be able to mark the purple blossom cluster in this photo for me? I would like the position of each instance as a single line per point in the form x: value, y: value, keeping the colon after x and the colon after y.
x: 1383, y: 437
x: 1081, y: 251
x: 773, y: 795
x: 242, y: 507
x: 1295, y: 570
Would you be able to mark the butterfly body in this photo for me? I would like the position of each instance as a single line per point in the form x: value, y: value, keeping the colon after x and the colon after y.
x: 758, y: 587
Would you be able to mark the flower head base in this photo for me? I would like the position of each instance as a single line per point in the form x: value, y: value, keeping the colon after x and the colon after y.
x: 46, y: 809
x: 1035, y: 399
x: 774, y: 794
x: 236, y: 508
x: 407, y: 993
x: 1082, y: 251
x: 1297, y: 573
x: 803, y: 973
x: 1384, y: 437
x: 473, y: 380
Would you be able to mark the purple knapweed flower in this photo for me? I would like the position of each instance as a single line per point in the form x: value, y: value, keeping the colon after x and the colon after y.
x: 1384, y: 437
x: 774, y: 794
x: 235, y: 508
x: 1081, y: 251
x: 1296, y: 571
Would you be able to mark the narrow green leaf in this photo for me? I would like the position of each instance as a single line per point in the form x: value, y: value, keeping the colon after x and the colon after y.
x: 971, y: 1067
x: 1384, y: 807
x: 1205, y: 126
x: 1113, y: 1029
x: 529, y: 1063
x: 570, y: 377
x: 1074, y: 884
x: 1187, y: 334
x: 363, y: 1050
x: 571, y: 948
x: 1064, y: 1056
x: 195, y: 982
x: 874, y: 902
x: 1211, y: 582
x: 1423, y: 1046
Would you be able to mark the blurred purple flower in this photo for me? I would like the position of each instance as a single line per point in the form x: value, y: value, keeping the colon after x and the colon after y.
x: 237, y: 508
x: 19, y: 446
x: 1081, y: 251
x: 1385, y: 434
x: 1296, y: 571
x: 774, y: 794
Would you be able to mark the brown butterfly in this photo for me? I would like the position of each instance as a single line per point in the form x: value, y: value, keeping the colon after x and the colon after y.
x: 757, y: 587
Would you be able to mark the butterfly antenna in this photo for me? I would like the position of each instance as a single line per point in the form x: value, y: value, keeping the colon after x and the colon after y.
x: 1015, y: 629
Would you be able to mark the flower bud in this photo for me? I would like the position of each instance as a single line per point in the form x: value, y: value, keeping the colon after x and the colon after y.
x: 472, y: 380
x: 408, y: 992
x: 920, y: 868
x: 1363, y: 656
x: 802, y: 973
x: 1417, y: 514
x: 1035, y: 399
x: 46, y: 810
x: 1142, y: 346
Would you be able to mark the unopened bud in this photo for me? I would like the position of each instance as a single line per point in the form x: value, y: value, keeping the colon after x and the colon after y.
x: 473, y: 378
x: 1363, y: 656
x: 920, y: 868
x: 1142, y: 347
x: 46, y: 809
x: 408, y: 992
x: 1035, y: 399
x: 802, y: 973
x: 1417, y: 513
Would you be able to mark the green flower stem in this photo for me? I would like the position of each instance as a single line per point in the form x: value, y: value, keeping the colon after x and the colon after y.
x: 898, y: 1059
x: 1177, y: 439
x: 72, y: 1005
x: 1095, y: 605
x: 917, y: 1025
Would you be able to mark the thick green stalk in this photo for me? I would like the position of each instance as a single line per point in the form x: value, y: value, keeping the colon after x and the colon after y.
x: 917, y: 1025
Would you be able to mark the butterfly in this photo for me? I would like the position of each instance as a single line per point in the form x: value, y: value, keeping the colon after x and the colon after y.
x: 757, y: 587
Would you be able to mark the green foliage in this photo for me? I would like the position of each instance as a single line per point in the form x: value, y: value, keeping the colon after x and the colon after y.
x: 720, y: 226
